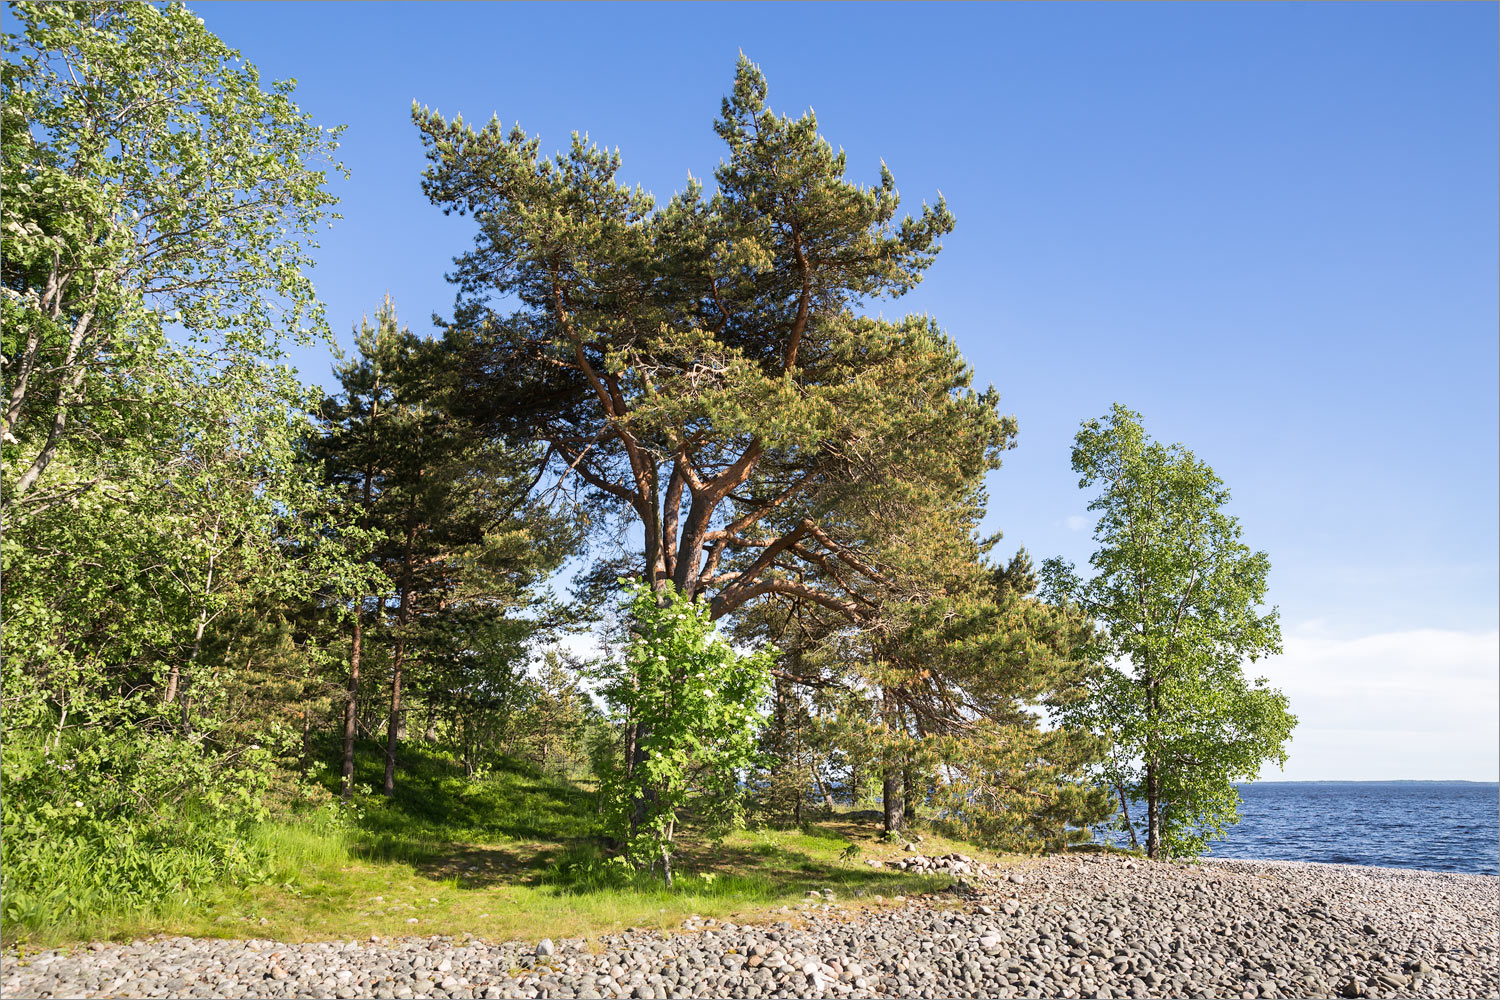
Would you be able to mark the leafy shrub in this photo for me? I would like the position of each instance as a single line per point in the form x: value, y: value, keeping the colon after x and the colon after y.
x: 693, y: 704
x: 124, y: 819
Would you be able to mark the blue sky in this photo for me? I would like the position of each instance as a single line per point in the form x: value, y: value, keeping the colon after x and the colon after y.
x: 1269, y: 228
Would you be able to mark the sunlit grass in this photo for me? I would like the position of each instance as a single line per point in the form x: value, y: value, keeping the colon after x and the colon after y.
x: 509, y: 857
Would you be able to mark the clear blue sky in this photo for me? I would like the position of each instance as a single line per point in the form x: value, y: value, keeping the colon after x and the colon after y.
x: 1270, y: 228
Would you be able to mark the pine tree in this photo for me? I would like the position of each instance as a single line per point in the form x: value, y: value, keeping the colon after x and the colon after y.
x: 450, y: 523
x: 702, y: 368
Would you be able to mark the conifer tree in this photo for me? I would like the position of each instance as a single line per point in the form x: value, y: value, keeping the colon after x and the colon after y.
x: 703, y: 368
x: 453, y: 525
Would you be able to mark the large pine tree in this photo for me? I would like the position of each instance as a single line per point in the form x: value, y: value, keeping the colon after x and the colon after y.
x: 703, y: 368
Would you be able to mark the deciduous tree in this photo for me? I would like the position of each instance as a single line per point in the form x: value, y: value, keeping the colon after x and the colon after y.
x: 691, y: 704
x: 150, y: 182
x: 1178, y: 599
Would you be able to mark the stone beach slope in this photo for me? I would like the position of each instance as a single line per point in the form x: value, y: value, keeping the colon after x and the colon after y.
x: 1075, y: 926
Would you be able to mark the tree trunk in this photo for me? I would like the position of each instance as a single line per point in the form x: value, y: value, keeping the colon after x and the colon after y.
x: 895, y: 812
x: 68, y: 394
x: 1153, y: 811
x: 909, y: 796
x: 890, y: 792
x: 351, y: 707
x: 356, y: 646
x: 1135, y: 845
x: 822, y: 789
x: 398, y: 660
x: 394, y: 723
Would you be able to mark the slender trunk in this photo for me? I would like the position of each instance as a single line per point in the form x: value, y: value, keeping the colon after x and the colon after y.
x: 62, y: 722
x: 173, y: 677
x: 911, y: 794
x: 398, y: 660
x: 67, y: 395
x: 1125, y: 810
x: 193, y: 656
x: 17, y: 401
x: 1153, y: 811
x: 822, y: 789
x: 1153, y: 777
x: 351, y: 707
x: 52, y: 302
x: 890, y: 792
x: 666, y: 855
x: 356, y: 646
x: 393, y: 723
x: 176, y: 681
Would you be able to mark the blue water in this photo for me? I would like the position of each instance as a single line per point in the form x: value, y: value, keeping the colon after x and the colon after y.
x: 1451, y: 826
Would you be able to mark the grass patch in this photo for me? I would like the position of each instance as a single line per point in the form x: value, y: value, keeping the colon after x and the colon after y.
x: 511, y: 855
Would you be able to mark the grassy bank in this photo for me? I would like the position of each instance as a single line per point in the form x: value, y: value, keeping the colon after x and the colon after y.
x: 510, y: 855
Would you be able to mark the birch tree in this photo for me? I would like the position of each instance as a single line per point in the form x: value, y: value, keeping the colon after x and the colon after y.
x: 1178, y: 599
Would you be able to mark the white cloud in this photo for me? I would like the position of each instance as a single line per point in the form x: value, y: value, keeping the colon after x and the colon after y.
x: 1423, y: 703
x: 1077, y: 522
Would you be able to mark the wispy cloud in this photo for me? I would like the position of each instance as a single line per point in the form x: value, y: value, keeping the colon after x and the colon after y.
x: 1077, y: 522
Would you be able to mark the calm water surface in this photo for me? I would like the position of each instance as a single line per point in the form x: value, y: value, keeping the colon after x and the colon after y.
x: 1435, y: 825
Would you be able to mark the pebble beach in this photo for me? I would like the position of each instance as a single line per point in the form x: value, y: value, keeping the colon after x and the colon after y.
x: 1073, y: 926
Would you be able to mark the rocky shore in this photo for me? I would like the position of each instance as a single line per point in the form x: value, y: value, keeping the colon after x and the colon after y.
x: 1078, y: 926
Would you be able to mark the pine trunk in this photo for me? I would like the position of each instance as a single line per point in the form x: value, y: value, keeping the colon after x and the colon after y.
x: 398, y: 660
x: 393, y: 724
x: 895, y: 811
x: 351, y: 707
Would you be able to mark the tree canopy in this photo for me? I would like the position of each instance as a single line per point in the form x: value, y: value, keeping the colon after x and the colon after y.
x: 702, y: 368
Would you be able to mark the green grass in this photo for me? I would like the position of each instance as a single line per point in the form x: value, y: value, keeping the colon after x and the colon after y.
x: 511, y: 855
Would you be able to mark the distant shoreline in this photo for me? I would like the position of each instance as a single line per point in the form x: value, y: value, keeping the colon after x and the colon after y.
x: 1218, y: 859
x: 1367, y: 781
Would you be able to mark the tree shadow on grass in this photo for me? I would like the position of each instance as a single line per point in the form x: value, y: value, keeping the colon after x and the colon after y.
x: 517, y: 827
x: 752, y: 873
x: 481, y: 832
x: 481, y: 866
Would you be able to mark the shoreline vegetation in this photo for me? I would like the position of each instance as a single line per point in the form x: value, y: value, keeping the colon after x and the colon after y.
x: 513, y: 855
x: 1094, y: 924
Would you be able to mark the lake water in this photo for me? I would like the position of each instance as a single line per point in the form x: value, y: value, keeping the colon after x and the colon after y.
x: 1449, y: 826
